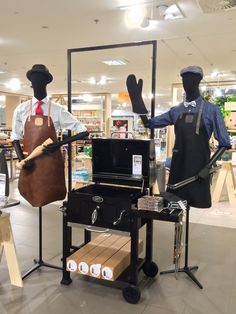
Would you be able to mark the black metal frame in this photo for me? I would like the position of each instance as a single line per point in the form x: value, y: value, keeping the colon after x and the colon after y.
x: 113, y: 46
x: 39, y: 262
x: 186, y: 269
x: 134, y: 232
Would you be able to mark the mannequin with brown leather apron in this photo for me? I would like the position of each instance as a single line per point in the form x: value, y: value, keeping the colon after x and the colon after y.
x: 42, y: 180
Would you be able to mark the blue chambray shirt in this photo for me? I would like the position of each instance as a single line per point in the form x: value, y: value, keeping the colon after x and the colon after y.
x: 211, y: 115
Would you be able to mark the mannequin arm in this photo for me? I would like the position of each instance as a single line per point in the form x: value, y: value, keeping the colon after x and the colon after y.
x: 205, y: 172
x: 35, y: 153
x: 145, y: 120
x: 54, y: 146
x: 18, y: 149
x: 29, y: 163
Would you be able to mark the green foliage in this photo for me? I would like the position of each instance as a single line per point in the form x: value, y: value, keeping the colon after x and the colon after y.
x: 231, y: 98
x: 220, y: 102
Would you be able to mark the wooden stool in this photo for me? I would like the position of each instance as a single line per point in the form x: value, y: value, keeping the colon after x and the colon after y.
x: 8, y: 246
x: 225, y: 175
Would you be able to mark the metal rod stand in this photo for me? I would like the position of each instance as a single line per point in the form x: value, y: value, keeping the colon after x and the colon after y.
x: 186, y: 269
x: 39, y: 262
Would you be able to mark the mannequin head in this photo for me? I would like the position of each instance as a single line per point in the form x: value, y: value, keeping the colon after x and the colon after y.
x: 39, y: 83
x: 191, y: 83
x: 39, y: 76
x: 191, y: 78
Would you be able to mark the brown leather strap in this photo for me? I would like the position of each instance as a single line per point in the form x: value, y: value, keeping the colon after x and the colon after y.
x: 49, y: 112
x: 30, y: 110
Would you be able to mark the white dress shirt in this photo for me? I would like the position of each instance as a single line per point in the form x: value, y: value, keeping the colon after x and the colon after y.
x: 62, y: 119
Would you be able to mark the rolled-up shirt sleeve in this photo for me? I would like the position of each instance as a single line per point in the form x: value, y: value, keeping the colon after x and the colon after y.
x: 68, y: 121
x: 220, y: 131
x: 162, y: 120
x: 17, y: 126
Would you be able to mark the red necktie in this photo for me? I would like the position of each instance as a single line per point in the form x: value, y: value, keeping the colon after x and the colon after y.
x: 39, y: 110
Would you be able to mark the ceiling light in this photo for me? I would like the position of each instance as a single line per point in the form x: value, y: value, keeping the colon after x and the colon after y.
x: 102, y: 81
x: 169, y: 12
x: 14, y: 84
x: 134, y: 16
x: 215, y: 74
x: 92, y: 81
x: 115, y: 62
x: 173, y: 12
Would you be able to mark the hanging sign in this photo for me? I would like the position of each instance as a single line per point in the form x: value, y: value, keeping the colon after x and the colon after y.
x: 123, y: 97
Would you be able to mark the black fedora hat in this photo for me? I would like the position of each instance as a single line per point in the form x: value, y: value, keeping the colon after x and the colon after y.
x: 40, y: 68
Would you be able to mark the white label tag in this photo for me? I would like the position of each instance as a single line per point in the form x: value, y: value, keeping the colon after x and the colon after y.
x: 2, y: 188
x: 71, y: 265
x: 107, y: 273
x: 137, y: 165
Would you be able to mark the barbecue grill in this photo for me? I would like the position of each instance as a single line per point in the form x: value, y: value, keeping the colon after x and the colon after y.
x: 123, y: 171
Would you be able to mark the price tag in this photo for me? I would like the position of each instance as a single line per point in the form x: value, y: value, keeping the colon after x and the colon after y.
x: 137, y: 165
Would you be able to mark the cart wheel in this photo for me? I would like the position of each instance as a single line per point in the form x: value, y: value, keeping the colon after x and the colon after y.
x: 150, y: 269
x: 131, y: 294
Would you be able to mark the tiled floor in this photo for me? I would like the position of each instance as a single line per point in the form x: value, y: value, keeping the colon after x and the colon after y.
x: 212, y: 248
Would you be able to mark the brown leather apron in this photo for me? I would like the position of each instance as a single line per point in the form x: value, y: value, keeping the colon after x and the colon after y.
x: 45, y: 182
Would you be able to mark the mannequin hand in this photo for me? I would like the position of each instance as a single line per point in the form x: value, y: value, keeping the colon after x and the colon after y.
x: 135, y: 93
x: 28, y: 164
x: 145, y: 120
x: 51, y: 148
x: 204, y: 173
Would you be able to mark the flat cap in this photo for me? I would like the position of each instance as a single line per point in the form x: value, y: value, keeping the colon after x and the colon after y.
x: 192, y: 69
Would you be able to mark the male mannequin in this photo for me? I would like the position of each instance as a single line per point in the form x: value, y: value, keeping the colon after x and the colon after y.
x: 42, y: 180
x: 194, y: 124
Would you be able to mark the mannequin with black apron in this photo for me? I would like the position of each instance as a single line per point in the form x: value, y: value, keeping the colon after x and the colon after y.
x: 191, y: 152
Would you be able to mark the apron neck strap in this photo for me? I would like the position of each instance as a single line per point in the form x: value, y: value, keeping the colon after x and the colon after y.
x: 199, y: 116
x: 30, y: 110
x: 49, y: 112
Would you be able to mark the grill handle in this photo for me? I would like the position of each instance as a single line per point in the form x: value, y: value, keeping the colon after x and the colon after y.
x: 118, y: 220
x: 95, y: 214
x: 88, y: 228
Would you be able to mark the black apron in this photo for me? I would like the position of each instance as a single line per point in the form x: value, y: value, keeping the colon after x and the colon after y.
x: 190, y: 154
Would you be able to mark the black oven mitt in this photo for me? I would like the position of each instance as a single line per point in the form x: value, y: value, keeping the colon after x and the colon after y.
x: 135, y: 94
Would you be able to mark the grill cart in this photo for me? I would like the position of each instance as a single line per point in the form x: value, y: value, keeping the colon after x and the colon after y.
x: 123, y: 172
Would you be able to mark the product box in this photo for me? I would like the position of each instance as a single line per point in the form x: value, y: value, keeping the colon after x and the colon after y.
x: 96, y: 264
x: 85, y: 260
x: 113, y: 267
x: 73, y: 260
